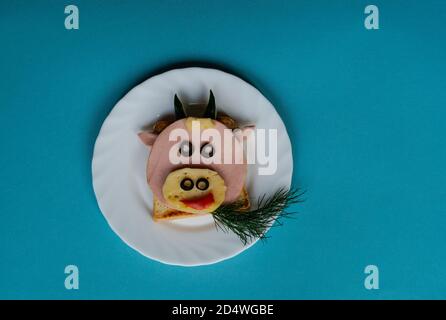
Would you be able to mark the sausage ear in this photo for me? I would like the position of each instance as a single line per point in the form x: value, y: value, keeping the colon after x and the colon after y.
x: 147, y: 138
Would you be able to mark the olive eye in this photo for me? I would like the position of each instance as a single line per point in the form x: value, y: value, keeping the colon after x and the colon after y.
x: 186, y: 149
x: 207, y: 150
x: 187, y: 184
x: 202, y: 184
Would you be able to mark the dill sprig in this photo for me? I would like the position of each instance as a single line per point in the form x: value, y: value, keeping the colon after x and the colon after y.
x: 253, y: 224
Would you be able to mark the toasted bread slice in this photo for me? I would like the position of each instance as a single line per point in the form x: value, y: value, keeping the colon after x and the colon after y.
x: 162, y: 212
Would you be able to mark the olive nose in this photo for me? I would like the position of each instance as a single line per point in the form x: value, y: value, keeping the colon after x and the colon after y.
x: 187, y: 184
x: 202, y: 184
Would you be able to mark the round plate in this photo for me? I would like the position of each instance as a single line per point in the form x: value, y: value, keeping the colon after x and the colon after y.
x: 119, y: 165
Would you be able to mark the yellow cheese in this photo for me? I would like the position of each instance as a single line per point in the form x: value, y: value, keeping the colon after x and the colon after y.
x: 205, y: 123
x: 174, y: 194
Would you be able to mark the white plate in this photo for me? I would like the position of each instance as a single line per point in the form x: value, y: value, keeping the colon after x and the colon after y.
x: 119, y: 165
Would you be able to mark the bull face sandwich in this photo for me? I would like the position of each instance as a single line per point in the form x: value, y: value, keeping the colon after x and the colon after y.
x: 197, y: 166
x: 189, y: 175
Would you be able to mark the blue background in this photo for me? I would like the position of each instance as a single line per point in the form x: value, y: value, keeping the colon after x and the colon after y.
x: 365, y: 110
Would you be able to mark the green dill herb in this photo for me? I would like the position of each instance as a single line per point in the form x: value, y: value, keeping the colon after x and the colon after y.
x: 253, y: 224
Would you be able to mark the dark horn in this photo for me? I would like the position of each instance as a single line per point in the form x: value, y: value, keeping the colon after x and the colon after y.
x: 179, y: 109
x: 211, y: 110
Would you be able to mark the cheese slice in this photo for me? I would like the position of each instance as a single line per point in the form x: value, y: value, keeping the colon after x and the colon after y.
x: 162, y: 212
